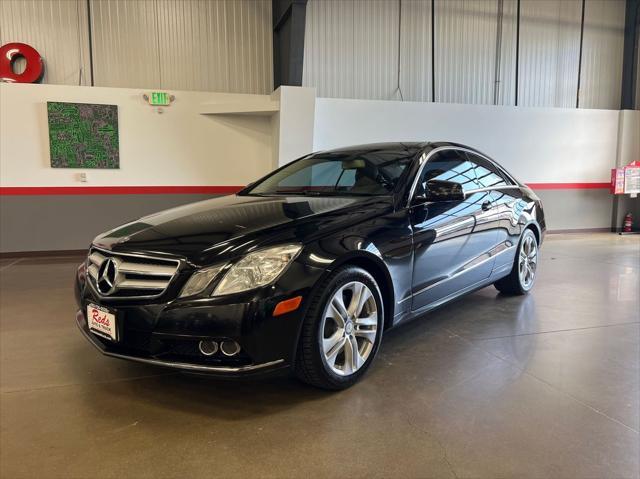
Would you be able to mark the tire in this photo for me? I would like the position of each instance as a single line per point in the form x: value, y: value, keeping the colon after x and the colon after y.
x: 325, y: 356
x: 516, y: 282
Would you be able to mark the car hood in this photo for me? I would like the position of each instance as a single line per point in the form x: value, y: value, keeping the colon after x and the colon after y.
x: 229, y: 226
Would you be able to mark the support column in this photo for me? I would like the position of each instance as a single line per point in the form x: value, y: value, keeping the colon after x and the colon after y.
x: 292, y: 126
x: 288, y: 41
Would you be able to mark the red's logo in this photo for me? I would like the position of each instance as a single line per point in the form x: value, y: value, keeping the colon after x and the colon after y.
x: 95, y: 314
x: 9, y: 53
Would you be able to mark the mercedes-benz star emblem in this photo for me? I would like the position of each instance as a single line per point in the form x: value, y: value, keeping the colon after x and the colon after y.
x: 107, y: 276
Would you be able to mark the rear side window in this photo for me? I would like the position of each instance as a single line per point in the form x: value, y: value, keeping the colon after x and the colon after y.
x: 487, y: 174
x: 451, y: 165
x: 471, y: 171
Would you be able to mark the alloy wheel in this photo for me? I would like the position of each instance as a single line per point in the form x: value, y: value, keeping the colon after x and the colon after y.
x: 528, y: 261
x: 349, y: 328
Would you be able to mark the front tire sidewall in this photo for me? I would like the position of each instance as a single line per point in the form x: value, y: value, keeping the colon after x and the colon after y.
x: 341, y: 278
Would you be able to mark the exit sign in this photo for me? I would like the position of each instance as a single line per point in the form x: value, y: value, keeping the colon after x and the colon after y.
x: 159, y: 98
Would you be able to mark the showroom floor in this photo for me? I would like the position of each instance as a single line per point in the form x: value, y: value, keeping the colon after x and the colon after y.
x: 490, y: 386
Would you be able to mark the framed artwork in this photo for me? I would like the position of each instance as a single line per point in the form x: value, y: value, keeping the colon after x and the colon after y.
x: 83, y: 135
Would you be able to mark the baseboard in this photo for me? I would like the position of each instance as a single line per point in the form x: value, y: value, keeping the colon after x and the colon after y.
x: 41, y: 254
x: 580, y: 230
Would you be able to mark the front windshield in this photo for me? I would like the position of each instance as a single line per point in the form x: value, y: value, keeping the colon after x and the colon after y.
x: 368, y: 173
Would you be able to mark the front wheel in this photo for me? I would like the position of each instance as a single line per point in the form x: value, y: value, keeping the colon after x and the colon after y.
x: 523, y: 274
x: 342, y: 330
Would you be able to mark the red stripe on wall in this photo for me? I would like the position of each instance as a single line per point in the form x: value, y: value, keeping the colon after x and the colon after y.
x: 207, y: 190
x: 118, y: 190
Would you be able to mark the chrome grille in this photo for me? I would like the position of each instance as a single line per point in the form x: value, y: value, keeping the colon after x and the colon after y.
x: 130, y: 275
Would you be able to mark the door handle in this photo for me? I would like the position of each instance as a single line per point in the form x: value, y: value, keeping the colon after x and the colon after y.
x: 487, y: 205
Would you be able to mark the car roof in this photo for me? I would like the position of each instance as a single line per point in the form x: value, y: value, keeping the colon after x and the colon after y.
x: 409, y: 146
x: 390, y: 146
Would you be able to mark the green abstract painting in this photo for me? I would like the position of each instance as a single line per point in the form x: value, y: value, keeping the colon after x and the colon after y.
x: 83, y: 135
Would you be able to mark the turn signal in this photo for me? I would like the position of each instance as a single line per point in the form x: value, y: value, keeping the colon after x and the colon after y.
x: 288, y: 305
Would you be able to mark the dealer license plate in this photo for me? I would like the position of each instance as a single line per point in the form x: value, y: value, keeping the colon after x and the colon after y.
x: 102, y: 322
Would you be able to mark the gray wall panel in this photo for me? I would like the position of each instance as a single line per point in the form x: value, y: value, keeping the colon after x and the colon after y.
x: 125, y: 44
x: 250, y: 39
x: 506, y: 89
x: 637, y: 107
x: 207, y: 45
x: 549, y: 52
x: 349, y: 51
x: 48, y: 223
x: 415, y: 52
x: 577, y: 209
x: 465, y: 46
x: 375, y: 52
x: 601, y: 80
x: 203, y: 45
x: 328, y: 49
x: 58, y: 29
x: 352, y: 46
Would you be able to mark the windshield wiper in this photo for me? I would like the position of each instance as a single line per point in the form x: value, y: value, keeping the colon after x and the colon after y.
x: 301, y: 192
x: 315, y: 193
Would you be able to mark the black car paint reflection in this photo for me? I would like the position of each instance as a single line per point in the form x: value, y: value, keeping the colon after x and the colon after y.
x: 422, y: 254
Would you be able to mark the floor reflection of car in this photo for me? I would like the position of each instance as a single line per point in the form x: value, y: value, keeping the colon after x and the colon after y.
x: 305, y: 269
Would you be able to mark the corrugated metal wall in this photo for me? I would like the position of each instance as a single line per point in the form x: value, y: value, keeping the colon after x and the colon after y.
x: 638, y: 75
x: 601, y: 81
x: 475, y: 51
x: 57, y: 29
x: 125, y: 44
x: 505, y: 89
x: 348, y: 41
x: 465, y: 41
x: 210, y: 45
x: 549, y: 52
x: 415, y: 51
x: 351, y: 47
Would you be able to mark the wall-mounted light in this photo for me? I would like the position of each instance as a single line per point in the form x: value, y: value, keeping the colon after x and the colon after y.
x: 159, y: 99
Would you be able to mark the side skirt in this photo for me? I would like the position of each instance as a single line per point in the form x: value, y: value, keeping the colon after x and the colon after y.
x: 409, y: 316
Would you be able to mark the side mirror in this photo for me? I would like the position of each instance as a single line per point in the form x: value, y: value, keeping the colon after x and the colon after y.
x: 437, y: 190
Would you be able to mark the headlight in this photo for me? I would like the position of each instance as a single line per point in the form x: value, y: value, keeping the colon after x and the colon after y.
x: 200, y: 280
x: 257, y: 269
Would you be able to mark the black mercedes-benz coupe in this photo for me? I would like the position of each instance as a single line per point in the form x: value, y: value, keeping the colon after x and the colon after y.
x: 307, y: 267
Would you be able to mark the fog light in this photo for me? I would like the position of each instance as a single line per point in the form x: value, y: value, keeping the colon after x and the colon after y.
x: 208, y: 348
x: 229, y: 347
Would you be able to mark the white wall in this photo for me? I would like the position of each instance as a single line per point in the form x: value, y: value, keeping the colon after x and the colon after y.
x: 292, y: 126
x: 178, y: 147
x: 538, y: 145
x: 182, y: 147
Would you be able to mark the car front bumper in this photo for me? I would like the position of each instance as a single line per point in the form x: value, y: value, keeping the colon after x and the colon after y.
x: 270, y: 366
x: 166, y: 332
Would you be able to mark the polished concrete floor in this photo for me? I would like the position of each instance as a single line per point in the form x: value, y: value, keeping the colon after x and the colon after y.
x: 540, y: 386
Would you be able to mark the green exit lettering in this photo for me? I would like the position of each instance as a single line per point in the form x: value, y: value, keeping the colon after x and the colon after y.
x: 159, y: 98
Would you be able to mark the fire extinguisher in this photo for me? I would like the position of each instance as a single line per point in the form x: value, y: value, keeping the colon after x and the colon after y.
x: 628, y: 223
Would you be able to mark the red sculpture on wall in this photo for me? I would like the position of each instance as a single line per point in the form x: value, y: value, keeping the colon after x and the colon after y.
x: 10, y: 52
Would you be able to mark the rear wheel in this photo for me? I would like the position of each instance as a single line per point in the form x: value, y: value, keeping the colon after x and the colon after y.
x: 523, y: 274
x: 342, y: 330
